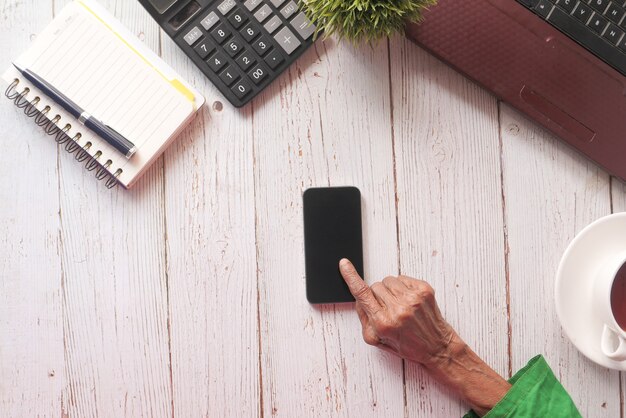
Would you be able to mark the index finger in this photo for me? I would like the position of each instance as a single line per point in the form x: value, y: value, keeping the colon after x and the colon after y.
x: 359, y: 289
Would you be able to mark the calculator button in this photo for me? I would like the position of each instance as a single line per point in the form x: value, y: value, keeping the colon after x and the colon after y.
x: 233, y: 47
x: 258, y: 74
x: 229, y: 76
x: 226, y: 6
x: 289, y: 9
x: 204, y: 48
x: 274, y: 59
x: 303, y: 26
x: 237, y: 19
x: 273, y: 24
x: 241, y: 88
x: 263, y: 13
x: 262, y: 45
x: 193, y: 36
x: 210, y: 21
x: 245, y: 60
x: 220, y: 33
x: 250, y: 32
x: 287, y: 40
x: 252, y: 4
x: 217, y: 61
x: 277, y: 3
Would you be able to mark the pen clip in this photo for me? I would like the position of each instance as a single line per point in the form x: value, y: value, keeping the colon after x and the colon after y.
x: 109, y: 127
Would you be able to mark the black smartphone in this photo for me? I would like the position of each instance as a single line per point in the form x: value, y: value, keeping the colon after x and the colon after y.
x: 332, y: 231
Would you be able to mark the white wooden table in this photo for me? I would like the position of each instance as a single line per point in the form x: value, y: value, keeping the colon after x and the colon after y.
x: 185, y: 296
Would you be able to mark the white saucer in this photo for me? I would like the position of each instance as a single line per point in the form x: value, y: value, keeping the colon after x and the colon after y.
x: 574, y: 282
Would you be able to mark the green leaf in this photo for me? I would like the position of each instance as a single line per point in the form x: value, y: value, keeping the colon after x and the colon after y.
x: 364, y: 20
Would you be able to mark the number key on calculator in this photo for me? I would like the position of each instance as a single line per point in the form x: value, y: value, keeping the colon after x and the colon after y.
x: 240, y: 45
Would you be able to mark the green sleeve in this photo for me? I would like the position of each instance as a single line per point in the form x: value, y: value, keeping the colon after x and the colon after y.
x: 535, y: 393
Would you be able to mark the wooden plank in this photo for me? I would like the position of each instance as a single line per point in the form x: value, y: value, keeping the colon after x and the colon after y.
x: 326, y: 122
x: 209, y: 199
x: 618, y: 195
x: 623, y: 393
x: 30, y: 270
x: 551, y: 193
x: 449, y: 209
x: 114, y: 285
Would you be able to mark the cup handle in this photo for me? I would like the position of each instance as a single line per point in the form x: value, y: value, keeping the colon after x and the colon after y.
x: 618, y: 354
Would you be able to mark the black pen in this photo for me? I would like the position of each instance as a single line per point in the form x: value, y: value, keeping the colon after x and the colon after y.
x: 114, y: 138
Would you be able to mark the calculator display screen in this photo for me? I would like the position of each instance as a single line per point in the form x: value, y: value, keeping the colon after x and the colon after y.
x: 162, y: 5
x: 184, y: 15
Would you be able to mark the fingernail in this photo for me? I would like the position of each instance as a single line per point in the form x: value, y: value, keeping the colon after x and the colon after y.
x: 344, y: 263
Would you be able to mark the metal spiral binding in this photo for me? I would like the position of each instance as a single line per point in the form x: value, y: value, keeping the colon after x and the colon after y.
x: 50, y: 126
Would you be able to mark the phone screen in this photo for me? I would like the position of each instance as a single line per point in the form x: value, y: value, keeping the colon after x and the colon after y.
x: 332, y: 231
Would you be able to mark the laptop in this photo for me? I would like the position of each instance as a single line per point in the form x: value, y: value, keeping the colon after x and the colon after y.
x: 560, y: 62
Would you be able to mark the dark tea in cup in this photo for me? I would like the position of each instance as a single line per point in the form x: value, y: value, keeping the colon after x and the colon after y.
x: 618, y: 298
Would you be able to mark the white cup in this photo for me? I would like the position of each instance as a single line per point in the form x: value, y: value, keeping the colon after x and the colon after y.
x: 613, y: 340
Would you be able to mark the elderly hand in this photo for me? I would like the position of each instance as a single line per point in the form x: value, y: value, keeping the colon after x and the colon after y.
x: 400, y: 315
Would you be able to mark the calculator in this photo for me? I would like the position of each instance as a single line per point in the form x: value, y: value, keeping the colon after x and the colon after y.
x: 240, y: 45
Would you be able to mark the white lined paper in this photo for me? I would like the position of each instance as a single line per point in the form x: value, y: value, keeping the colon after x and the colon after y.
x: 91, y: 58
x: 110, y: 81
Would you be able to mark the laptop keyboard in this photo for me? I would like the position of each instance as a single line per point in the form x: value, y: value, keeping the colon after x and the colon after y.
x: 598, y: 25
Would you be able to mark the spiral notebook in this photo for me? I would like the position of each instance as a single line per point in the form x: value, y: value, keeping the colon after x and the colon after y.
x: 91, y: 58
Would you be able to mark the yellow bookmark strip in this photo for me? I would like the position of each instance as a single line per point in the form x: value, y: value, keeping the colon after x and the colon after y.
x: 175, y: 83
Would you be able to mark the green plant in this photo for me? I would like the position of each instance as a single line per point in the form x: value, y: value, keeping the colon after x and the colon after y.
x: 364, y: 20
